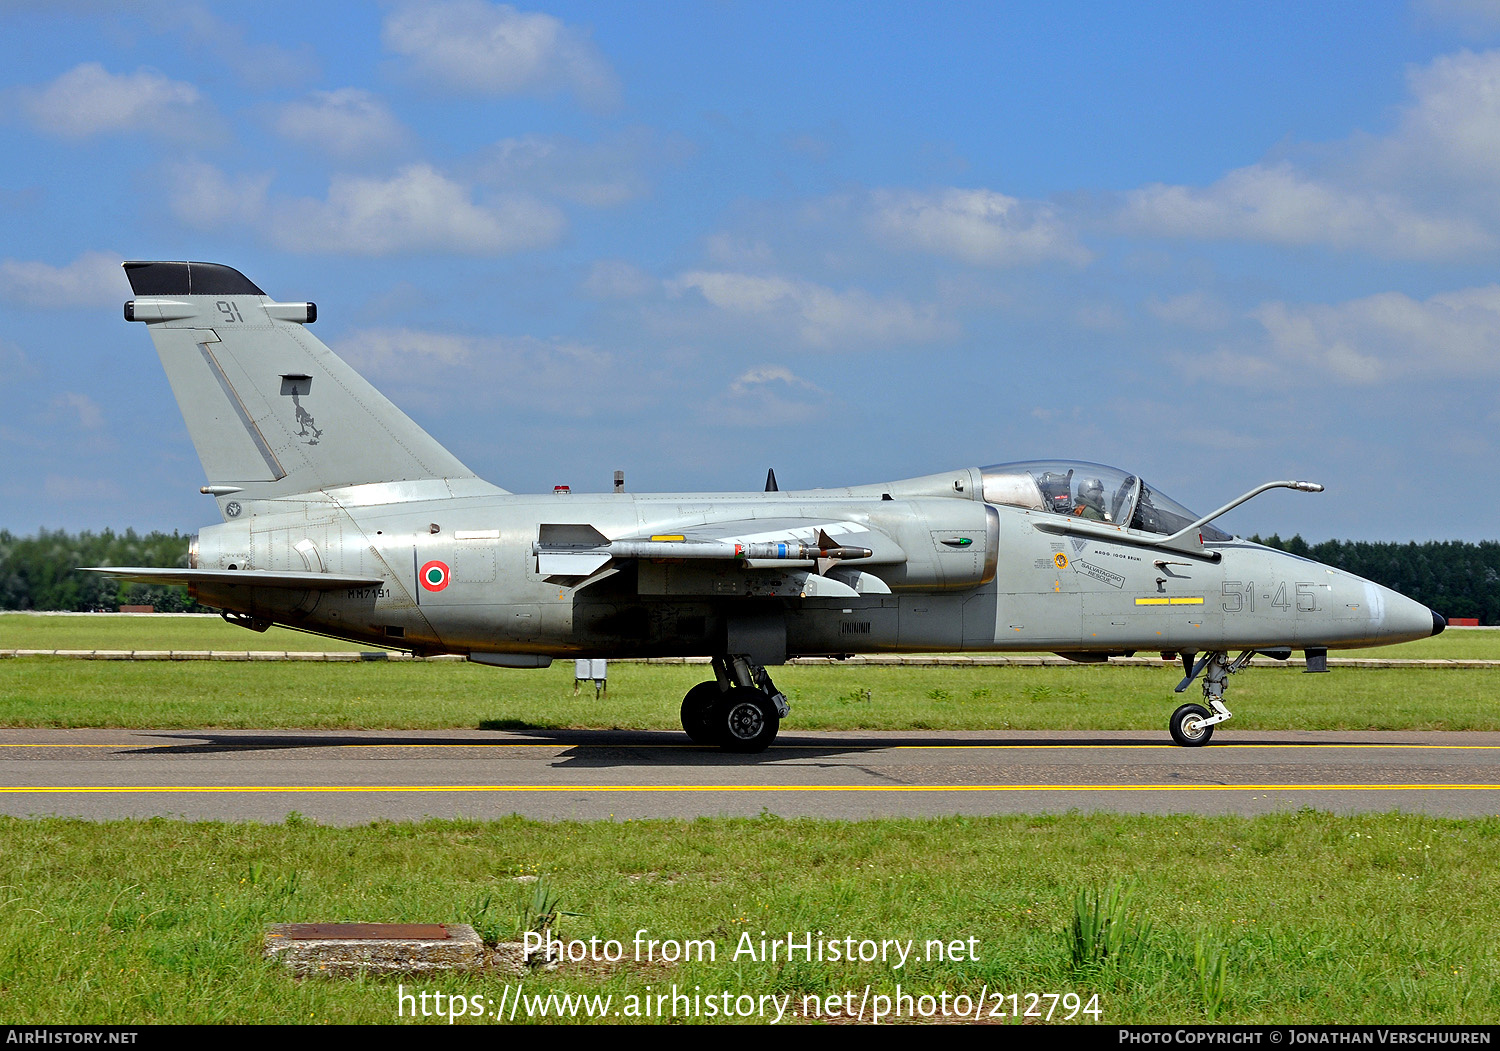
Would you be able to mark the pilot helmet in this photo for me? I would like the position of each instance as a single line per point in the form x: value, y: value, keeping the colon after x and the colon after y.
x: 1091, y: 494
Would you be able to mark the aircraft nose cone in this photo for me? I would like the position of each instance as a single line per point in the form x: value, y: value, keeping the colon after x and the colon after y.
x: 1401, y: 619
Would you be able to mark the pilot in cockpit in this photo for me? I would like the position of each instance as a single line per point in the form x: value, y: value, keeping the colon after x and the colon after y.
x: 1090, y: 503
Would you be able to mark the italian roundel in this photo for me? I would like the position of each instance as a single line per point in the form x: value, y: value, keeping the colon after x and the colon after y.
x: 435, y: 576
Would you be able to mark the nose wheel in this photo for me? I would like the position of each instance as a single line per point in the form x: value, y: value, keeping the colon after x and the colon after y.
x: 1190, y: 726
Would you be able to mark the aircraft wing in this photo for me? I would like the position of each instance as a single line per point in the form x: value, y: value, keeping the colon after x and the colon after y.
x: 577, y: 551
x: 250, y: 578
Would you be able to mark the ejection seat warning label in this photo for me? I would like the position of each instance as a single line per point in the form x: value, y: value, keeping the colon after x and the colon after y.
x: 1114, y: 580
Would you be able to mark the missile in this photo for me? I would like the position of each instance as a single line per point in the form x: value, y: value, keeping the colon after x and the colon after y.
x: 727, y: 550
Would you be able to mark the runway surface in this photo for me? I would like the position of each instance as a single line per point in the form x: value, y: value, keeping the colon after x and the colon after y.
x: 343, y: 777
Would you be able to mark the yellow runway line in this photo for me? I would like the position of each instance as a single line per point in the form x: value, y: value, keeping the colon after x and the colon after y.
x: 378, y: 789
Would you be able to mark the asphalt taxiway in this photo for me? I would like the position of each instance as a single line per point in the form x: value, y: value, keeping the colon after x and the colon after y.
x: 353, y: 777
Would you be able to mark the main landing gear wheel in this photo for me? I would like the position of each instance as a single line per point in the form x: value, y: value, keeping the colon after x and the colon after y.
x: 746, y: 720
x: 1187, y: 726
x: 698, y: 712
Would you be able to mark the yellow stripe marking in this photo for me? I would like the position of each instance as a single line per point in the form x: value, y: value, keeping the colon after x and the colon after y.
x: 668, y: 537
x: 1197, y: 601
x: 321, y: 789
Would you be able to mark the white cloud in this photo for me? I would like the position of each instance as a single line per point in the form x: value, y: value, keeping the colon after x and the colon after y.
x: 598, y: 174
x: 1427, y: 189
x: 79, y: 407
x: 975, y: 226
x: 572, y: 378
x: 14, y: 365
x: 768, y: 396
x: 404, y: 352
x: 418, y: 210
x: 205, y: 197
x: 1198, y: 310
x: 348, y: 122
x: 89, y: 100
x: 471, y: 46
x: 820, y: 316
x: 734, y: 251
x: 258, y: 65
x: 1477, y: 18
x: 758, y: 378
x: 1282, y: 205
x: 93, y: 279
x: 1390, y: 335
x: 1448, y: 137
x: 615, y: 279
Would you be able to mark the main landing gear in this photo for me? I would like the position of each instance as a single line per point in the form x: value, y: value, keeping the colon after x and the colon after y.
x: 740, y: 710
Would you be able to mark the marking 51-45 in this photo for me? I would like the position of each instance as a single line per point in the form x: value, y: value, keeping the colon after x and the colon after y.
x: 1242, y: 596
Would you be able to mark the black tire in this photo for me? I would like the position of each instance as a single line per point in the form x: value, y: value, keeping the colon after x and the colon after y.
x: 698, y: 713
x: 746, y: 720
x: 1182, y: 731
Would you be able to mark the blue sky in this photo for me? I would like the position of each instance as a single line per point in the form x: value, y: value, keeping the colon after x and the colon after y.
x: 1213, y: 244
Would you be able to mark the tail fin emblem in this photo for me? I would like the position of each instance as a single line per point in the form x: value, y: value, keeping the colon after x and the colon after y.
x: 297, y: 385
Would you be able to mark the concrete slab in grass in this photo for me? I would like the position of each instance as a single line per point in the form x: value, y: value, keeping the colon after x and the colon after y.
x: 375, y: 948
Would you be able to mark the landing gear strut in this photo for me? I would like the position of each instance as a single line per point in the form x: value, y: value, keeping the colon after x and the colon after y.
x: 1192, y: 724
x: 740, y: 710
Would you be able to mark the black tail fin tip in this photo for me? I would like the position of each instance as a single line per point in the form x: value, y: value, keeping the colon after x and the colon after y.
x: 188, y: 279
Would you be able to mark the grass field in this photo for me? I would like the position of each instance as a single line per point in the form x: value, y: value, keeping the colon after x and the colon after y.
x: 1385, y: 921
x: 30, y: 631
x: 60, y: 692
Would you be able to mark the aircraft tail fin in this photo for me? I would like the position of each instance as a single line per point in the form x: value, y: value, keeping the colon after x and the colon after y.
x: 271, y: 410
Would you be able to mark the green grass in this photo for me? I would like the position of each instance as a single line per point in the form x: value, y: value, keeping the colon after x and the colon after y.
x: 27, y: 631
x: 157, y: 921
x: 417, y: 695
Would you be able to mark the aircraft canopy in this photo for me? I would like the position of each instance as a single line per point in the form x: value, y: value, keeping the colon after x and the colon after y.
x: 1090, y: 491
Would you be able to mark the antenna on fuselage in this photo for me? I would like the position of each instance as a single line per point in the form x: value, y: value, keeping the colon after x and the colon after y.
x: 771, y: 481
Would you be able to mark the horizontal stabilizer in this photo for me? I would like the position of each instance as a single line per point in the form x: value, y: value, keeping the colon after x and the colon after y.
x: 250, y: 578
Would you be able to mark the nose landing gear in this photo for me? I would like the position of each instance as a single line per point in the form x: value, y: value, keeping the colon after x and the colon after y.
x: 1193, y: 725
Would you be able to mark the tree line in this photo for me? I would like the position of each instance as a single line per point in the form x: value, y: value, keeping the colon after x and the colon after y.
x: 41, y: 572
x: 1456, y: 578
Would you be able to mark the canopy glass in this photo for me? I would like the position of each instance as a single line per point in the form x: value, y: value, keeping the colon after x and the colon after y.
x: 1091, y: 491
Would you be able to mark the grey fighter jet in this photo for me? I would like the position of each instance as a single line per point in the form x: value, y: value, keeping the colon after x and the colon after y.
x: 343, y: 517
